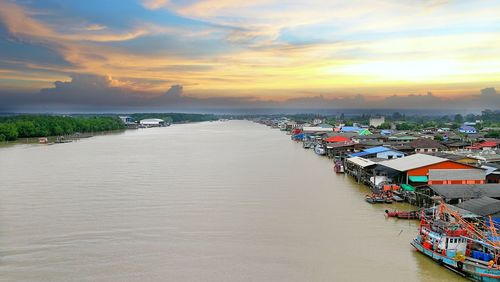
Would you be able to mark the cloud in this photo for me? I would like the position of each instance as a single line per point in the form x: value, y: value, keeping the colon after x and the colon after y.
x: 154, y: 4
x: 95, y: 92
x: 94, y: 27
x: 265, y: 49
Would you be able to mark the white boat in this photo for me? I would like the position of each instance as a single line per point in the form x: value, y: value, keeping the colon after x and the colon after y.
x: 319, y: 149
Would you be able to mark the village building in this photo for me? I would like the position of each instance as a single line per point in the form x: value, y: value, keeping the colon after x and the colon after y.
x: 152, y: 122
x: 425, y: 145
x: 360, y: 169
x: 483, y: 206
x: 371, y: 137
x: 457, y: 193
x: 376, y: 121
x: 467, y: 129
x: 457, y: 158
x: 402, y: 138
x: 379, y: 152
x: 457, y: 176
x: 414, y: 169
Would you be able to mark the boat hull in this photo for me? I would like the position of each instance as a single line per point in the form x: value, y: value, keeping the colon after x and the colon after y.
x: 470, y: 269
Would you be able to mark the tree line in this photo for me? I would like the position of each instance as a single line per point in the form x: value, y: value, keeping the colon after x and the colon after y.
x: 26, y: 126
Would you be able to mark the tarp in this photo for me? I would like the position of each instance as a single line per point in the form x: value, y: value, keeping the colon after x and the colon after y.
x: 334, y: 139
x: 422, y: 179
x: 407, y: 187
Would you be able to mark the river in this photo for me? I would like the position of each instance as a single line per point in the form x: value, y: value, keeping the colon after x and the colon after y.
x: 212, y: 201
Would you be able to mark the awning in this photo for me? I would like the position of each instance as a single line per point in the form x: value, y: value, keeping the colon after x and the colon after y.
x: 407, y: 187
x: 422, y: 179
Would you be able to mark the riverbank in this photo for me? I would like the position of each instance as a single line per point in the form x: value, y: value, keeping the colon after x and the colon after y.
x: 62, y: 139
x: 28, y: 129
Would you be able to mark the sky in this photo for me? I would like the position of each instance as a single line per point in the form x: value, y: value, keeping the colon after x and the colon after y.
x: 175, y: 55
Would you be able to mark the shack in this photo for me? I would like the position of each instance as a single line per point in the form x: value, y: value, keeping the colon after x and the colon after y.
x: 360, y: 169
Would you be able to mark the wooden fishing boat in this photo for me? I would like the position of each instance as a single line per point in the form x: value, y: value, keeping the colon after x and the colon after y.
x: 403, y: 214
x: 471, y: 249
x: 375, y: 198
x: 338, y: 167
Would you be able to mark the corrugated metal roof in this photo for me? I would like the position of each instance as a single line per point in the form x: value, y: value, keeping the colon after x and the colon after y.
x: 378, y: 149
x: 412, y: 162
x: 374, y: 150
x: 359, y: 154
x: 361, y: 162
x: 467, y: 191
x: 340, y: 144
x: 483, y: 206
x: 457, y: 174
x: 316, y: 129
x: 350, y: 128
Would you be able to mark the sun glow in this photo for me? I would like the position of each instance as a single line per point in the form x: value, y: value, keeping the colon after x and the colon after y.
x: 405, y: 70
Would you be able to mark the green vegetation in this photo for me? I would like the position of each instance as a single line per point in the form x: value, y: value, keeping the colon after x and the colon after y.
x: 493, y: 134
x: 25, y: 126
x: 385, y: 125
x: 175, y: 117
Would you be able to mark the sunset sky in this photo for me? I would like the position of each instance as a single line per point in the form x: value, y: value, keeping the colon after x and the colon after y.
x: 311, y: 53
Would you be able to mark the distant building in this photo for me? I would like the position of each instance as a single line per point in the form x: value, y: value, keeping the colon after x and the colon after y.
x: 467, y: 129
x: 153, y: 122
x: 350, y: 129
x: 377, y: 121
x: 317, y: 121
x: 127, y: 119
x: 425, y: 145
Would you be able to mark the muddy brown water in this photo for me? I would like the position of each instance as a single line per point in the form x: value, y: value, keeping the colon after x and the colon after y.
x: 213, y: 201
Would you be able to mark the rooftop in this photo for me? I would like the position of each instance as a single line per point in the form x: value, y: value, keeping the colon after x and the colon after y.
x: 412, y: 162
x: 483, y: 206
x: 467, y: 191
x: 426, y: 143
x: 457, y: 174
x: 361, y: 162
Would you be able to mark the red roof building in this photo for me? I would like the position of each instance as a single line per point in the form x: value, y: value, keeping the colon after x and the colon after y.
x: 335, y: 139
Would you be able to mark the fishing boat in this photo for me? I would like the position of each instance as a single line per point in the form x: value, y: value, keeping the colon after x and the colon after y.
x: 469, y: 248
x: 319, y: 149
x: 402, y: 214
x: 338, y: 167
x: 307, y: 144
x: 375, y: 198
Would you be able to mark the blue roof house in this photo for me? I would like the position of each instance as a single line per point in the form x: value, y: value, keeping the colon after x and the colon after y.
x: 350, y: 129
x: 467, y: 129
x: 391, y: 154
x: 379, y: 152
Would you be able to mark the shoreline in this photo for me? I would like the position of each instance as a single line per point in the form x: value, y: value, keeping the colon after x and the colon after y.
x: 73, y: 138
